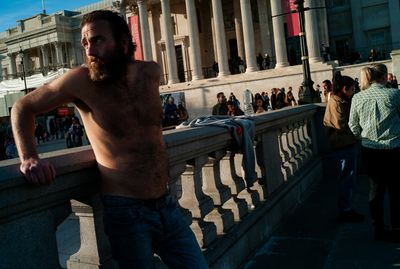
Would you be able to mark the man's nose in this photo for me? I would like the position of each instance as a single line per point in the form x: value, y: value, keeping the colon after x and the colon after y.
x: 91, y: 50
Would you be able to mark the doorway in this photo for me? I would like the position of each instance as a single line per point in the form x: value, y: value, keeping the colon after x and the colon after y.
x: 179, y: 61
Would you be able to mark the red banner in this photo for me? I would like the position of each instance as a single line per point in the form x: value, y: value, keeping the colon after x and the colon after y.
x: 292, y: 19
x: 134, y: 26
x: 63, y: 111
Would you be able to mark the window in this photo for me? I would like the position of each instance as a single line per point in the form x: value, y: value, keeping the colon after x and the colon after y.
x: 335, y: 3
x: 377, y: 38
x: 198, y: 19
x: 174, y: 31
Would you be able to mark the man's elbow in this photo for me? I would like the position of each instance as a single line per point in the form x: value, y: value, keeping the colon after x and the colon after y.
x: 20, y: 108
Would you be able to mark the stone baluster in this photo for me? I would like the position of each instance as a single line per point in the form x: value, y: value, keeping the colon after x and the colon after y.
x: 269, y: 160
x: 292, y: 149
x: 175, y: 186
x: 248, y: 194
x: 297, y: 144
x: 259, y: 185
x: 212, y: 186
x: 307, y: 150
x: 230, y: 178
x: 212, y: 183
x: 285, y: 165
x: 95, y: 251
x: 194, y: 200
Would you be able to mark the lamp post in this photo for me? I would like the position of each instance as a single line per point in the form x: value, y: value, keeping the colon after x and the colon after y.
x: 306, y: 96
x: 21, y: 55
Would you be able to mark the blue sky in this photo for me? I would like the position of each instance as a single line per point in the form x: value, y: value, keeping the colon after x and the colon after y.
x: 13, y: 10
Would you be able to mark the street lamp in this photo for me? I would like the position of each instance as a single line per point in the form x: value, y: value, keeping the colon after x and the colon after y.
x: 306, y: 96
x: 21, y: 55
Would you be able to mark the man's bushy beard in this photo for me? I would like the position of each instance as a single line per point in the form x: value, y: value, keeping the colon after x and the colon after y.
x: 109, y: 68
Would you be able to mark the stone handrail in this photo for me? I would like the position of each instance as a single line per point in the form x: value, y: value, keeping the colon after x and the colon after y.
x: 206, y: 178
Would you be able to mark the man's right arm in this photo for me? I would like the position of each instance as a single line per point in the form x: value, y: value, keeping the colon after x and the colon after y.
x: 23, y: 116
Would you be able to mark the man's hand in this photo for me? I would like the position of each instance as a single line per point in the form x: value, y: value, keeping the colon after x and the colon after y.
x: 37, y: 171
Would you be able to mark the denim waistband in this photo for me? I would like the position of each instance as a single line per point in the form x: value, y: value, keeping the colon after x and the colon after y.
x: 116, y: 200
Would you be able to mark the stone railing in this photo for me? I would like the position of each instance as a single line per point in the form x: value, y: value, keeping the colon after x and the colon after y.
x: 228, y: 219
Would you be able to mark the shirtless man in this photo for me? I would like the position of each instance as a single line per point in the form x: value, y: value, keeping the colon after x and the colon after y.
x: 140, y: 217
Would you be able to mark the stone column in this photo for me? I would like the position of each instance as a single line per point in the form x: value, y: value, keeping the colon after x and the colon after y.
x: 238, y: 28
x: 45, y: 58
x: 26, y: 63
x: 248, y: 34
x: 219, y: 27
x: 395, y: 54
x: 358, y: 31
x: 40, y: 58
x: 279, y: 34
x: 323, y: 24
x: 144, y: 29
x: 312, y: 36
x: 265, y: 33
x: 169, y: 43
x: 155, y: 32
x: 59, y: 56
x: 13, y: 65
x: 394, y: 11
x: 194, y: 44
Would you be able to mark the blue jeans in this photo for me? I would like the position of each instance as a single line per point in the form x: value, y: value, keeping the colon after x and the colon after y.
x: 139, y: 228
x: 345, y: 160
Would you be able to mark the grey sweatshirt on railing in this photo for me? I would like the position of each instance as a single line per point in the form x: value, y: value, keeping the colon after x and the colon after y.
x: 242, y: 128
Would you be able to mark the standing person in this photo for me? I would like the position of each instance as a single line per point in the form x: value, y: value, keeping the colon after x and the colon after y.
x: 265, y: 98
x: 39, y: 133
x: 289, y: 99
x: 235, y: 101
x: 266, y: 61
x: 170, y: 113
x: 327, y: 89
x: 233, y: 110
x: 127, y: 141
x: 373, y: 56
x: 183, y: 115
x: 392, y: 81
x: 280, y: 98
x: 343, y: 144
x: 259, y: 104
x: 76, y: 133
x: 375, y: 118
x: 221, y: 107
x: 52, y: 127
x: 274, y: 93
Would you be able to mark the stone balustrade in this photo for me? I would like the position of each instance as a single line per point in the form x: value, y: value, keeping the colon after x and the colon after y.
x: 229, y: 219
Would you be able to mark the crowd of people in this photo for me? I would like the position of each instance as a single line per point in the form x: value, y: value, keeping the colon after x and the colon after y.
x: 173, y: 114
x: 364, y: 118
x: 68, y: 128
x: 261, y: 102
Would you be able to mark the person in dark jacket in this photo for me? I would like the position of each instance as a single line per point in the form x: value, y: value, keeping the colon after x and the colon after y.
x: 221, y: 107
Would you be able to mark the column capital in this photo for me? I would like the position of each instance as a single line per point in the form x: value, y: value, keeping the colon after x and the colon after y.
x: 57, y: 44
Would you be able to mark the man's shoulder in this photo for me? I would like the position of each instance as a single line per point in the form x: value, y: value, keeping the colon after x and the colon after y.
x: 77, y: 74
x: 147, y: 66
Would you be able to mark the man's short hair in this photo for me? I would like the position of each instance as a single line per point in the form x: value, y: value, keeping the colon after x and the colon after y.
x: 119, y: 27
x: 327, y: 81
x: 220, y: 94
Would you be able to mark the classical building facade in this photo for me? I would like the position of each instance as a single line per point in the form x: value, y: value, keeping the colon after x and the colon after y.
x: 192, y: 39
